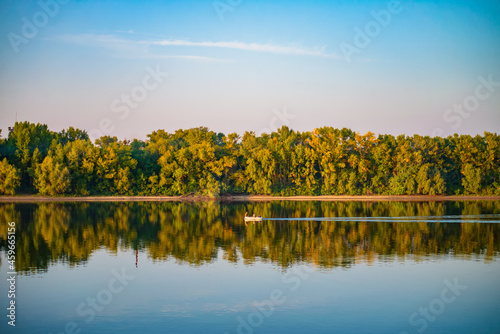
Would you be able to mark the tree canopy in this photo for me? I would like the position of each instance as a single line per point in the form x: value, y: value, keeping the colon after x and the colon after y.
x: 325, y: 161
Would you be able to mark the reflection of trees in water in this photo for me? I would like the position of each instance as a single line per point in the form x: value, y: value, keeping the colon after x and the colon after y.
x: 196, y: 232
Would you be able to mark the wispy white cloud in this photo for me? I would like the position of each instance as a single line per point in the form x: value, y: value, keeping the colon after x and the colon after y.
x: 128, y: 48
x: 256, y: 47
x: 126, y: 31
x: 186, y: 57
x: 141, y: 48
x: 104, y: 41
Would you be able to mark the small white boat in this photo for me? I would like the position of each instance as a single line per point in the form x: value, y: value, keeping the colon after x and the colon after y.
x: 252, y: 219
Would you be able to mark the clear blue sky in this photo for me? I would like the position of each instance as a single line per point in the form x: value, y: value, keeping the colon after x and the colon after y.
x: 235, y: 65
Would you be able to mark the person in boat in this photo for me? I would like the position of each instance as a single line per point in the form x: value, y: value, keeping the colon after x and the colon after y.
x: 247, y: 216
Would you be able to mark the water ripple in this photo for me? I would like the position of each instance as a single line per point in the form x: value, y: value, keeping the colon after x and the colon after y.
x: 487, y: 218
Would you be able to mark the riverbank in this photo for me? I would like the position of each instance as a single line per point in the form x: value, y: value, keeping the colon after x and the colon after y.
x: 245, y: 198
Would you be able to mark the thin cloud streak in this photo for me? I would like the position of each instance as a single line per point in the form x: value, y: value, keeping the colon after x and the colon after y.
x: 128, y: 48
x: 186, y: 57
x: 131, y: 48
x: 256, y: 47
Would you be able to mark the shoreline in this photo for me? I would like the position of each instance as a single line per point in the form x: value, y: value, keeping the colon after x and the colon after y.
x: 249, y: 198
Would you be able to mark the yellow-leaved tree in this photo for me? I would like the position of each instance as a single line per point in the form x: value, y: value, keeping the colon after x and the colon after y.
x: 51, y: 177
x: 9, y: 178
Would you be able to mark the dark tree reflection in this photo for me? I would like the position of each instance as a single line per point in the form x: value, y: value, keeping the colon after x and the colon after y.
x: 196, y: 233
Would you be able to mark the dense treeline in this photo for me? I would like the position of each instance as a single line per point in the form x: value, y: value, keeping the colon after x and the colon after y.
x: 197, y: 233
x: 326, y: 161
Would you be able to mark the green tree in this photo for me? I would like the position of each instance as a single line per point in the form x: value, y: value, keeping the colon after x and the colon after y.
x: 472, y: 179
x: 9, y: 178
x: 492, y: 163
x: 146, y: 172
x: 258, y: 164
x: 112, y: 166
x: 51, y: 177
x: 383, y: 163
x: 333, y: 148
x: 80, y: 156
x: 24, y: 139
x: 429, y: 181
x: 70, y: 135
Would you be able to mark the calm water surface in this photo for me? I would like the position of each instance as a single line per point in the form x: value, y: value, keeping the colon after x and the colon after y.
x: 311, y: 267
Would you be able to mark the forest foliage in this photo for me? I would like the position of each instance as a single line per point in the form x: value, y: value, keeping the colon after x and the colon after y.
x: 325, y: 161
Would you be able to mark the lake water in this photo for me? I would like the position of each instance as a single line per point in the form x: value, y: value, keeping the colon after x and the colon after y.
x: 310, y: 267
